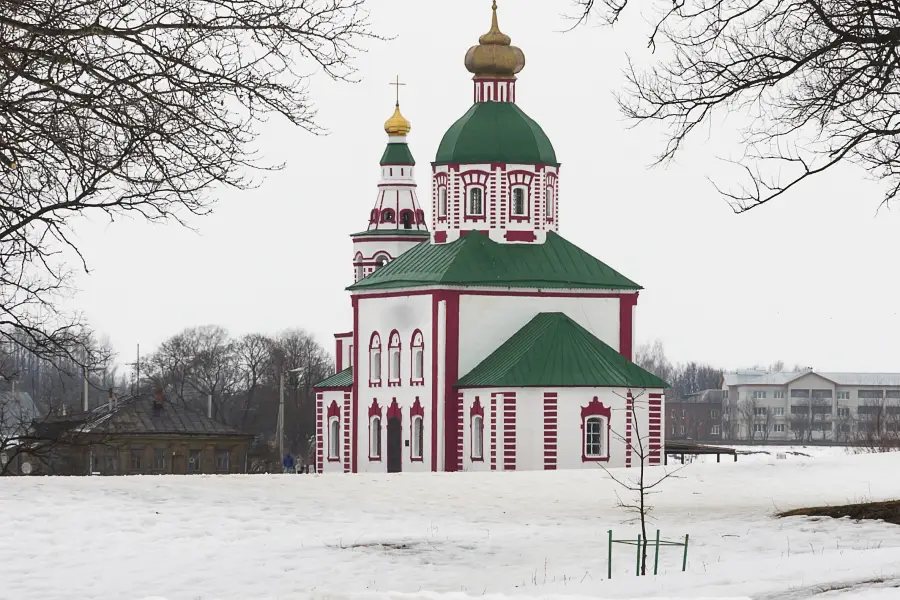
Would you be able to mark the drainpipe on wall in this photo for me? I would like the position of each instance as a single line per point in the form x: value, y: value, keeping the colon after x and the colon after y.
x: 209, y: 407
x: 441, y: 384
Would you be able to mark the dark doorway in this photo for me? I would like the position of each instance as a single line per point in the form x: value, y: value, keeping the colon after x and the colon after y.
x: 394, y: 446
x: 178, y: 464
x: 407, y: 219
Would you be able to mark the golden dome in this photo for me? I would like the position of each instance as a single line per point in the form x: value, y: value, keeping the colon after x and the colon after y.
x: 494, y: 56
x: 397, y: 125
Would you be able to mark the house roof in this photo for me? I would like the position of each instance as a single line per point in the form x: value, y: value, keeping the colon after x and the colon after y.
x: 138, y: 416
x: 784, y: 378
x: 552, y: 350
x: 344, y: 379
x: 475, y: 260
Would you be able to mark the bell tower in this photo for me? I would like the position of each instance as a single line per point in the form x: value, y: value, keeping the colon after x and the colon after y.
x: 396, y: 222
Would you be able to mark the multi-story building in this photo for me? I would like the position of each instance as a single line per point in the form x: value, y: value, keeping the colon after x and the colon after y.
x: 696, y: 417
x: 809, y: 405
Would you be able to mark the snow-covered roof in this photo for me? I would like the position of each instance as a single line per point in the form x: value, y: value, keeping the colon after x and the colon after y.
x: 786, y: 377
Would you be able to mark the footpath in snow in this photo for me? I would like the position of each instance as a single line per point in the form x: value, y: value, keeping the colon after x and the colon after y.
x: 448, y: 536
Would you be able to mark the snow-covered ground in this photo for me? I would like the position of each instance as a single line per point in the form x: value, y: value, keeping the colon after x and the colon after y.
x: 448, y: 536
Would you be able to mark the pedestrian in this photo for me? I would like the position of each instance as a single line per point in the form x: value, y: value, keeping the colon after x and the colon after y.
x: 288, y: 463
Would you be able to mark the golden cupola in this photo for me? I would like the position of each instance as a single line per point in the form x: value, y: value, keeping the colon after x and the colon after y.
x: 495, y: 57
x: 397, y: 125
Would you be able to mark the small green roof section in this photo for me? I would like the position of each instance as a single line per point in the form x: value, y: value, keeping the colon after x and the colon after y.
x: 496, y: 132
x: 552, y: 350
x: 475, y: 260
x: 397, y: 154
x: 414, y: 233
x: 344, y: 379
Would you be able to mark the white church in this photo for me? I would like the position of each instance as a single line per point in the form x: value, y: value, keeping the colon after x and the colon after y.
x: 489, y: 342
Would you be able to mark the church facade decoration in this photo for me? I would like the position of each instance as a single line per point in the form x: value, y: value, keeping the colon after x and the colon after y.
x: 493, y: 342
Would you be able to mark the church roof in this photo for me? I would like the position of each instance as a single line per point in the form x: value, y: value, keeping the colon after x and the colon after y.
x: 397, y: 154
x: 476, y: 260
x: 344, y: 379
x: 495, y: 132
x: 552, y: 350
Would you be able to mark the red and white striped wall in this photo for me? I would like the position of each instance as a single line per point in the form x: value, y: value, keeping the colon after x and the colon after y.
x: 348, y: 415
x: 509, y: 431
x: 655, y: 429
x: 320, y: 432
x: 551, y: 416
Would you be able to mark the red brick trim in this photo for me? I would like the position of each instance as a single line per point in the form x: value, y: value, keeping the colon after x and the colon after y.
x: 354, y: 360
x: 451, y: 411
x: 520, y: 236
x: 655, y: 441
x: 459, y: 431
x: 551, y: 431
x: 493, y: 432
x: 627, y: 303
x: 440, y: 237
x: 509, y: 431
x: 595, y: 409
x: 416, y: 411
x: 320, y: 432
x: 629, y: 416
x: 348, y: 446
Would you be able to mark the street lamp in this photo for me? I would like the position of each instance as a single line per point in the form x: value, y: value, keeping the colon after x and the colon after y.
x: 281, y: 411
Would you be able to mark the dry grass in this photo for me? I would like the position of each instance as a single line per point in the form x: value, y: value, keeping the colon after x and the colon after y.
x: 886, y: 511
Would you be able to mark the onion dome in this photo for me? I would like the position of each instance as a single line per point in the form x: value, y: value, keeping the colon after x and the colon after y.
x: 494, y: 56
x: 397, y: 125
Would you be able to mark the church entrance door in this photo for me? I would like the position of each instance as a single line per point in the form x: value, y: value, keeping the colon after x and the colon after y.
x: 394, y: 446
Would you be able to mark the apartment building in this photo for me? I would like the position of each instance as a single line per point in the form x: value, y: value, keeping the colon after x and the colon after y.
x: 809, y: 405
x: 696, y: 417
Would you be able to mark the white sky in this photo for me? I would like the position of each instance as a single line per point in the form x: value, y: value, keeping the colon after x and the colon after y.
x: 807, y: 279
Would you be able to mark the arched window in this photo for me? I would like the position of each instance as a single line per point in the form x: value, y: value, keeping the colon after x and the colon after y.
x: 519, y: 208
x: 380, y: 261
x: 418, y: 358
x: 373, y: 216
x: 375, y: 359
x: 477, y: 437
x: 387, y: 216
x: 406, y: 218
x: 334, y: 438
x: 375, y: 438
x: 442, y: 202
x: 417, y: 432
x: 476, y: 202
x: 357, y: 263
x: 551, y: 203
x: 418, y: 437
x: 595, y: 431
x: 394, y: 357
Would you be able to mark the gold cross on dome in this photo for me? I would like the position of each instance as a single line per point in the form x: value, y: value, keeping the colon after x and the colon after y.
x: 397, y: 84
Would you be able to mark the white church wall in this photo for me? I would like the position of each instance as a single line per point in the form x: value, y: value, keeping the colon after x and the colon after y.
x: 486, y: 321
x: 547, y: 428
x: 405, y: 314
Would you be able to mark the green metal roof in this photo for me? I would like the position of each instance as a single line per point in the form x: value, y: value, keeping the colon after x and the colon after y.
x: 397, y: 154
x: 392, y: 232
x: 552, y: 350
x: 344, y: 379
x: 476, y: 260
x: 496, y: 132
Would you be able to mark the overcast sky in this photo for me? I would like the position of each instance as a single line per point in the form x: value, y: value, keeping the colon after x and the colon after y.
x: 809, y: 279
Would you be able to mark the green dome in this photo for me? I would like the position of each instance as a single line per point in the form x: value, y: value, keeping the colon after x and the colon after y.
x: 496, y: 132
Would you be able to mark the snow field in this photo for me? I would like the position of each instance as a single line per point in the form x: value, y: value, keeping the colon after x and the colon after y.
x: 454, y: 535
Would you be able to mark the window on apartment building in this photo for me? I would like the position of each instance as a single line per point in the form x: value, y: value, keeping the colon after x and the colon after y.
x: 714, y: 430
x: 223, y: 461
x: 194, y: 461
x: 821, y: 394
x: 759, y: 428
x: 725, y: 395
x: 892, y: 394
x: 760, y: 411
x: 759, y: 394
x: 159, y: 459
x: 843, y: 411
x: 843, y: 395
x: 111, y: 461
x: 673, y: 415
x: 822, y: 410
x: 778, y: 411
x: 682, y: 430
x: 870, y: 394
x: 893, y: 410
x: 845, y: 427
x: 799, y: 410
x: 779, y: 395
x: 137, y: 455
x: 683, y: 413
x: 799, y: 393
x: 713, y: 414
x: 778, y: 428
x: 868, y: 409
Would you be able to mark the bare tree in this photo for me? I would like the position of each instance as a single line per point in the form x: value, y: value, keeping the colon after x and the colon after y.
x: 643, y: 486
x: 816, y: 80
x: 116, y: 107
x: 747, y: 411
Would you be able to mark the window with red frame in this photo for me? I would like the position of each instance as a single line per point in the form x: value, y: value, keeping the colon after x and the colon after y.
x: 375, y: 359
x: 418, y: 358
